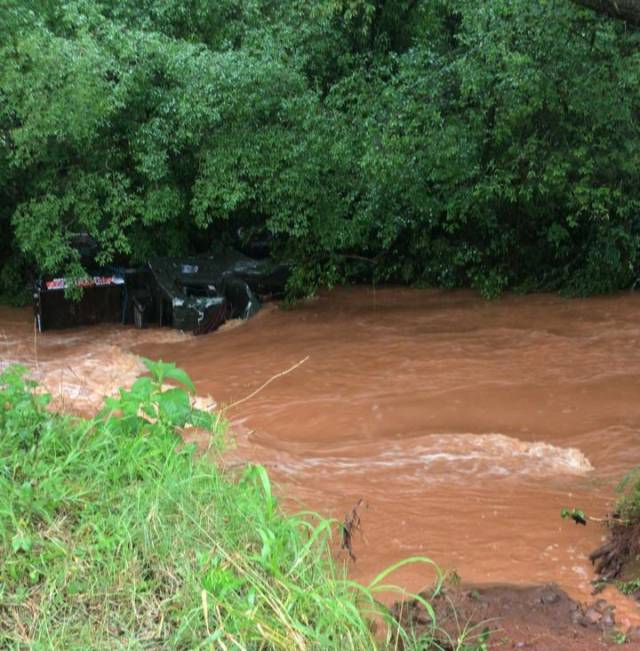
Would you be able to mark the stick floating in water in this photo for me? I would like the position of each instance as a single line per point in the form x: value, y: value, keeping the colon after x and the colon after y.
x: 267, y: 383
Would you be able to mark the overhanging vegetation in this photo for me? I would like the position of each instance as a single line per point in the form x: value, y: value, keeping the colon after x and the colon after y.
x: 469, y: 143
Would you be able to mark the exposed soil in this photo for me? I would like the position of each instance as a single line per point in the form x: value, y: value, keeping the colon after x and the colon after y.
x: 542, y: 618
x: 618, y: 557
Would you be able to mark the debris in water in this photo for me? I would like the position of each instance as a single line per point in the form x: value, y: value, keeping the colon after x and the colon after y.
x: 576, y: 515
x: 351, y: 523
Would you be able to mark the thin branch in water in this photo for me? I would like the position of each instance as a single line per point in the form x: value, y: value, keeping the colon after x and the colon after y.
x: 350, y: 525
x: 266, y: 384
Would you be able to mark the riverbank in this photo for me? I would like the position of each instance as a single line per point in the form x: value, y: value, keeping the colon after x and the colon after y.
x: 535, y: 618
x: 119, y: 534
x: 115, y: 534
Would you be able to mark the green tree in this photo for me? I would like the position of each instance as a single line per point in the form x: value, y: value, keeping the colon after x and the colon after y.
x: 490, y: 144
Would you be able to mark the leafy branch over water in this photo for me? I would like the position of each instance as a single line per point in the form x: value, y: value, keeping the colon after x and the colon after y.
x: 577, y: 515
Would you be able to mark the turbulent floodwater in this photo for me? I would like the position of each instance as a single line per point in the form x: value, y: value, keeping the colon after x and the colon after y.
x: 464, y: 425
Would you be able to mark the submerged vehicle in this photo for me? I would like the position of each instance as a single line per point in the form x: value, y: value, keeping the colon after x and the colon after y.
x: 200, y: 293
x: 101, y: 301
x: 194, y: 293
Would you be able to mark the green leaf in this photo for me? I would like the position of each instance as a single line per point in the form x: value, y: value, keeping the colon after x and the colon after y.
x: 167, y: 370
x: 174, y: 407
x: 21, y: 543
x: 181, y: 376
x: 577, y: 515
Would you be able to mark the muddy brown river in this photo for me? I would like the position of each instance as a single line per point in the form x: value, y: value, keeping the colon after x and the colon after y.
x: 464, y: 425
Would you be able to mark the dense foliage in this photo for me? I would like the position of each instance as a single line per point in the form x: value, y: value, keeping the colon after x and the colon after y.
x: 477, y: 142
x: 114, y: 534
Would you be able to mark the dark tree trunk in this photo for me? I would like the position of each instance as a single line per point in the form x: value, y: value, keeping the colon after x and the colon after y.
x: 628, y: 10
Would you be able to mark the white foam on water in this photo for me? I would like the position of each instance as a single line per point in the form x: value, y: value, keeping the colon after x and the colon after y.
x: 89, y: 364
x: 80, y: 381
x: 442, y: 456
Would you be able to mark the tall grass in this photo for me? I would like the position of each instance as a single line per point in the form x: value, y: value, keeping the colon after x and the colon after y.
x: 115, y: 535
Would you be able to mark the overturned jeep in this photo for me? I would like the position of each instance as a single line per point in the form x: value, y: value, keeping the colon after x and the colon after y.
x: 195, y: 294
x: 198, y: 294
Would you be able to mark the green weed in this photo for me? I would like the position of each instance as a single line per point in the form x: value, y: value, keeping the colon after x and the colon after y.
x: 629, y: 587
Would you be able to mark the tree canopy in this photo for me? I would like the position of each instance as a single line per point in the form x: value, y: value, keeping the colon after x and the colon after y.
x: 483, y: 143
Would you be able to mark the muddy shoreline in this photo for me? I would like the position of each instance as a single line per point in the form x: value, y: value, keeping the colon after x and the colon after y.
x: 535, y: 618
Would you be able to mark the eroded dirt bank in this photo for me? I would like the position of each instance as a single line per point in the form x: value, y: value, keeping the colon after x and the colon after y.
x: 465, y: 425
x: 534, y: 618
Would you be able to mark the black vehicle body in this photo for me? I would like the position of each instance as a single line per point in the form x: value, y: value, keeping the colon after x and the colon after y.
x: 195, y: 294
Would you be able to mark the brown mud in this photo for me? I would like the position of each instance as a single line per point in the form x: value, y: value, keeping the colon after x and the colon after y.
x: 464, y: 425
x: 542, y: 618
